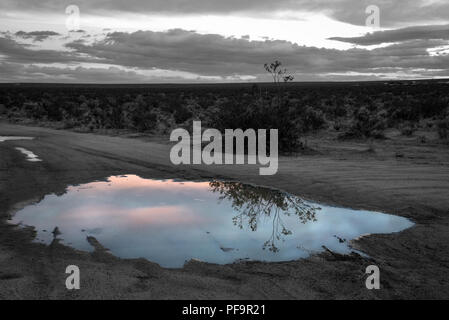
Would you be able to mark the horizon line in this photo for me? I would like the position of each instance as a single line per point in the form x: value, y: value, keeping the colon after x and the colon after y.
x: 222, y: 83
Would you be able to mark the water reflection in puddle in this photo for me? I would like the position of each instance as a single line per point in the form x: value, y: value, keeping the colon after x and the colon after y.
x: 170, y: 221
x: 11, y: 138
x: 30, y: 155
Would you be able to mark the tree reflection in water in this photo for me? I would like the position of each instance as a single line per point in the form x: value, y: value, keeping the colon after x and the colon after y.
x: 253, y: 202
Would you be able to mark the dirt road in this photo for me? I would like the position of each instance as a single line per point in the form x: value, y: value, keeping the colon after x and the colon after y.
x: 408, y: 179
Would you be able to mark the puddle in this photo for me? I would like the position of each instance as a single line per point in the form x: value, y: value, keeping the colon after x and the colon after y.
x: 8, y: 138
x: 30, y: 155
x: 171, y: 221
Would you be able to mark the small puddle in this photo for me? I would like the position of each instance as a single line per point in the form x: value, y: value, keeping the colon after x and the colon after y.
x: 171, y: 221
x: 8, y: 138
x: 30, y: 155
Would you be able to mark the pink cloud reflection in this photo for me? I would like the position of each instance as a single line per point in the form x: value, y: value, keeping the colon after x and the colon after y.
x: 96, y: 215
x: 133, y: 181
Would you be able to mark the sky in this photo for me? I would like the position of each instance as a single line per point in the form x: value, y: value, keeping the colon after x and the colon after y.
x: 190, y: 41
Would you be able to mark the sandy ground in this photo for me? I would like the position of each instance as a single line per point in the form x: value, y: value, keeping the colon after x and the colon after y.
x: 401, y: 176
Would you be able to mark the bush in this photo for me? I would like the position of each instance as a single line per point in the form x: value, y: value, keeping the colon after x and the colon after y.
x: 312, y: 119
x: 366, y: 124
x: 33, y: 110
x: 142, y: 116
x: 144, y: 120
x: 182, y: 114
x: 259, y: 114
x: 443, y: 128
x: 337, y: 125
x: 408, y: 130
x: 69, y: 124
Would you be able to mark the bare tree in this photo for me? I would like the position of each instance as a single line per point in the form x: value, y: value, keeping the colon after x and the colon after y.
x: 280, y: 75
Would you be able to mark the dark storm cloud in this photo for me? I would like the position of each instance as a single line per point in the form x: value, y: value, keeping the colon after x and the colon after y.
x: 213, y: 54
x: 36, y: 35
x: 400, y: 35
x: 352, y: 11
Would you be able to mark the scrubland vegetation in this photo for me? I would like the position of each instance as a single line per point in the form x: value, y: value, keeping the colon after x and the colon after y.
x: 353, y: 110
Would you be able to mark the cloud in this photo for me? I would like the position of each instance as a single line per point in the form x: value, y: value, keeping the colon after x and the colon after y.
x: 438, y: 32
x: 179, y: 55
x: 25, y: 53
x: 392, y: 13
x: 36, y: 35
x: 213, y: 54
x: 15, y: 72
x: 205, y: 54
x: 188, y: 51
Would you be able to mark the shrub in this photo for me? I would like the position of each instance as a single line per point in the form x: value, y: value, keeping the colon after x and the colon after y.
x: 144, y: 120
x: 443, y: 128
x: 33, y: 110
x: 69, y: 124
x: 366, y: 124
x: 259, y: 114
x: 312, y: 119
x: 337, y: 125
x: 182, y: 114
x: 408, y: 130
